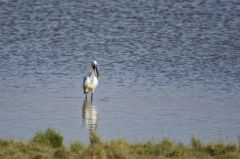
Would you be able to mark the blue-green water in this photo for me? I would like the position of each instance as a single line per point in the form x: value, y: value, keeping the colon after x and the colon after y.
x: 169, y: 69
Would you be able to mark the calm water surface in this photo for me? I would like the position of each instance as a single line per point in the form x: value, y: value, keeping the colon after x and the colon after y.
x: 169, y: 69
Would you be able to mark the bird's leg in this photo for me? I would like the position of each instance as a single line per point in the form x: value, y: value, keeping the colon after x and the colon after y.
x: 92, y: 97
x: 85, y: 96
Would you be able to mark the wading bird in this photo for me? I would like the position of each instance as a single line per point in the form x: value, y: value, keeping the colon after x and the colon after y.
x: 90, y: 82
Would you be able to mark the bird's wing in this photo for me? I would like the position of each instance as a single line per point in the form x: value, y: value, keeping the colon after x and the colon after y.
x: 86, y: 84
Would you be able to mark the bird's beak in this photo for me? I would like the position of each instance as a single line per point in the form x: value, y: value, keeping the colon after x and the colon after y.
x: 98, y: 75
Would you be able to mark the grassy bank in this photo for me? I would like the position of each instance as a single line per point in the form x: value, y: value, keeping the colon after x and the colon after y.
x: 49, y: 144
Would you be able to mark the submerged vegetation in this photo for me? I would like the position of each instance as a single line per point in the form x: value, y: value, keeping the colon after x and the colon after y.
x: 49, y: 144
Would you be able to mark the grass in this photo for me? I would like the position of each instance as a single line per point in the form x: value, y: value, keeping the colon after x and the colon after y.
x: 49, y: 145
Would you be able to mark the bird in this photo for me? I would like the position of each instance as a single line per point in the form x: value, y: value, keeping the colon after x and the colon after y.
x: 90, y: 82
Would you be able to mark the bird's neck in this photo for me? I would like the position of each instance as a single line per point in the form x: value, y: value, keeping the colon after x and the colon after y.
x: 93, y: 73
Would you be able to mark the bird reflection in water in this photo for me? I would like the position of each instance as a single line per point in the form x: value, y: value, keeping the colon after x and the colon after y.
x: 89, y: 114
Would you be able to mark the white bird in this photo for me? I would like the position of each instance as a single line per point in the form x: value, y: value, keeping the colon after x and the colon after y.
x: 90, y: 82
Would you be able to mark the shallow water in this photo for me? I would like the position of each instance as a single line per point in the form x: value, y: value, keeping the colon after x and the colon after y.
x: 169, y: 69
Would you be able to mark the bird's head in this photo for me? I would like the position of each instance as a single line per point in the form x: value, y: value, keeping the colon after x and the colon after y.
x: 94, y: 66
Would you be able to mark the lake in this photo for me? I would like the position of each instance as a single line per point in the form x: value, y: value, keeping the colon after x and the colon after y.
x: 168, y: 69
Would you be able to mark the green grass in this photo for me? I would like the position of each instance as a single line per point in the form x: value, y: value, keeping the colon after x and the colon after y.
x: 49, y: 137
x: 49, y: 145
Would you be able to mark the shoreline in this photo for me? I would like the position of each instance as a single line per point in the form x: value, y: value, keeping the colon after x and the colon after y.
x: 49, y: 144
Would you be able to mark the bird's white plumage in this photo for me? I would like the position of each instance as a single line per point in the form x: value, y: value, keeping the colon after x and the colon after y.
x: 90, y: 82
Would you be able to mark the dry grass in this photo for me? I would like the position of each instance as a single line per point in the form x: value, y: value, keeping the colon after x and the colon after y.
x: 49, y: 145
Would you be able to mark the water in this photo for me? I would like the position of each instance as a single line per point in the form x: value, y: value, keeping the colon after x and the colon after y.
x: 169, y: 69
